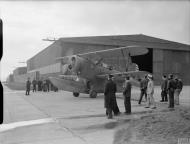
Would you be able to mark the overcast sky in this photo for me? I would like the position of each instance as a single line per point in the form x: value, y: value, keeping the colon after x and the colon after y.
x: 25, y: 24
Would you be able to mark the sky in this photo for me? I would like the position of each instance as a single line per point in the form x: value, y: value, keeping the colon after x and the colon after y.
x: 26, y: 23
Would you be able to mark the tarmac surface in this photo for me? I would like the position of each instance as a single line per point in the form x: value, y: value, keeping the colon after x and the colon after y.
x: 60, y: 118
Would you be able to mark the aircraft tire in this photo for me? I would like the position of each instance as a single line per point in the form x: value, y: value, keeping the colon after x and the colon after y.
x: 93, y: 94
x: 75, y: 94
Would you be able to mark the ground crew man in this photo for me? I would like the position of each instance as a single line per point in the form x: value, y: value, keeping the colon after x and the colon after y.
x: 150, y: 92
x: 164, y: 89
x: 40, y: 85
x: 28, y: 83
x: 127, y: 95
x: 34, y: 83
x: 44, y: 85
x: 179, y: 86
x: 143, y: 87
x: 109, y: 94
x: 171, y: 89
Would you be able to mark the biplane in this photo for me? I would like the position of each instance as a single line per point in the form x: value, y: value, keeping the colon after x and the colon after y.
x: 87, y: 72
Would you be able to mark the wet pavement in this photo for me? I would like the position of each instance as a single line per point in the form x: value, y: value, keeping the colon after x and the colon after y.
x: 58, y: 117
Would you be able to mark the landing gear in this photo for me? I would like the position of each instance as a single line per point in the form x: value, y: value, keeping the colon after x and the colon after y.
x: 93, y: 94
x: 75, y: 94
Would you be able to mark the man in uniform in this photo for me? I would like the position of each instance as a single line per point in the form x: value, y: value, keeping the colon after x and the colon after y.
x: 28, y: 83
x: 150, y: 92
x: 116, y: 110
x: 164, y: 89
x: 143, y: 87
x: 127, y: 95
x: 171, y: 89
x: 34, y: 82
x: 109, y: 93
x: 179, y: 86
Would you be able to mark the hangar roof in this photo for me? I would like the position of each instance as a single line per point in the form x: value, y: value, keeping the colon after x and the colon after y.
x: 125, y: 40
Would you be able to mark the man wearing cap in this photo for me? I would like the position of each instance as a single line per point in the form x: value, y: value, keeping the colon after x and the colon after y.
x: 109, y: 93
x: 143, y: 87
x: 116, y: 110
x: 179, y: 86
x: 150, y: 92
x: 127, y: 95
x: 28, y: 83
x: 171, y: 89
x: 164, y: 89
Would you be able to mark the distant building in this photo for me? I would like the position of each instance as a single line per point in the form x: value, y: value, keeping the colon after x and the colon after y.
x: 164, y: 57
x: 20, y: 71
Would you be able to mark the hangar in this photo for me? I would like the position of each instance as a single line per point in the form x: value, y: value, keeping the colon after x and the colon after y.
x: 164, y: 57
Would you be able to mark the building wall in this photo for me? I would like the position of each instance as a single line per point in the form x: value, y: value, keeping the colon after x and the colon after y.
x: 45, y: 57
x: 171, y: 62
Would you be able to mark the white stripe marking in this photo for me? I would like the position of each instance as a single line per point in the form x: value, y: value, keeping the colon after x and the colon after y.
x: 10, y: 126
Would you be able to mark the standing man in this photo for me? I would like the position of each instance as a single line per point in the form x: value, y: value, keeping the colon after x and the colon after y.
x: 109, y: 93
x: 171, y: 89
x: 179, y: 86
x: 28, y: 83
x: 150, y: 92
x: 34, y: 82
x: 127, y: 95
x: 143, y: 87
x: 116, y: 110
x: 164, y: 89
x: 48, y: 84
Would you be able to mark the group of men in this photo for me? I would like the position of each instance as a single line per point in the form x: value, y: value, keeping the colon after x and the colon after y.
x: 147, y: 90
x: 110, y: 102
x: 42, y: 86
x: 169, y: 86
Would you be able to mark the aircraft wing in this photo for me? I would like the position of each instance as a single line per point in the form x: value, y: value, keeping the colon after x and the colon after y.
x: 123, y: 74
x: 69, y: 83
x: 135, y: 75
x: 131, y: 50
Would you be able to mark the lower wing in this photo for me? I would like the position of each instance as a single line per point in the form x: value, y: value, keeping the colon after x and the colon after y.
x: 71, y: 84
x: 139, y: 74
x: 135, y: 76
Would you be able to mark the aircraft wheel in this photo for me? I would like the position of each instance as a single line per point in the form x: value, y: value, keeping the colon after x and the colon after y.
x: 75, y: 94
x: 93, y: 94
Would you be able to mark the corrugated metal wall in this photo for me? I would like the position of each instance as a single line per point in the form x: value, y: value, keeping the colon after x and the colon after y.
x: 171, y: 61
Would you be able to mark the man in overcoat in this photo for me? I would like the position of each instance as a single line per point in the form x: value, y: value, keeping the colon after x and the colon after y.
x: 171, y: 89
x: 127, y: 95
x: 109, y: 93
x: 164, y: 89
x: 28, y: 83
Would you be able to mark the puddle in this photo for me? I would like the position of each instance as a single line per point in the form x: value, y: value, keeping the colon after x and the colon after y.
x: 10, y: 126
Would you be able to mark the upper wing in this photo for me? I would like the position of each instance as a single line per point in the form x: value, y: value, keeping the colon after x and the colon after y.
x: 131, y: 50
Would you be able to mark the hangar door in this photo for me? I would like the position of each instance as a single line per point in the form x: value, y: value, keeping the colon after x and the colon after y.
x: 145, y: 62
